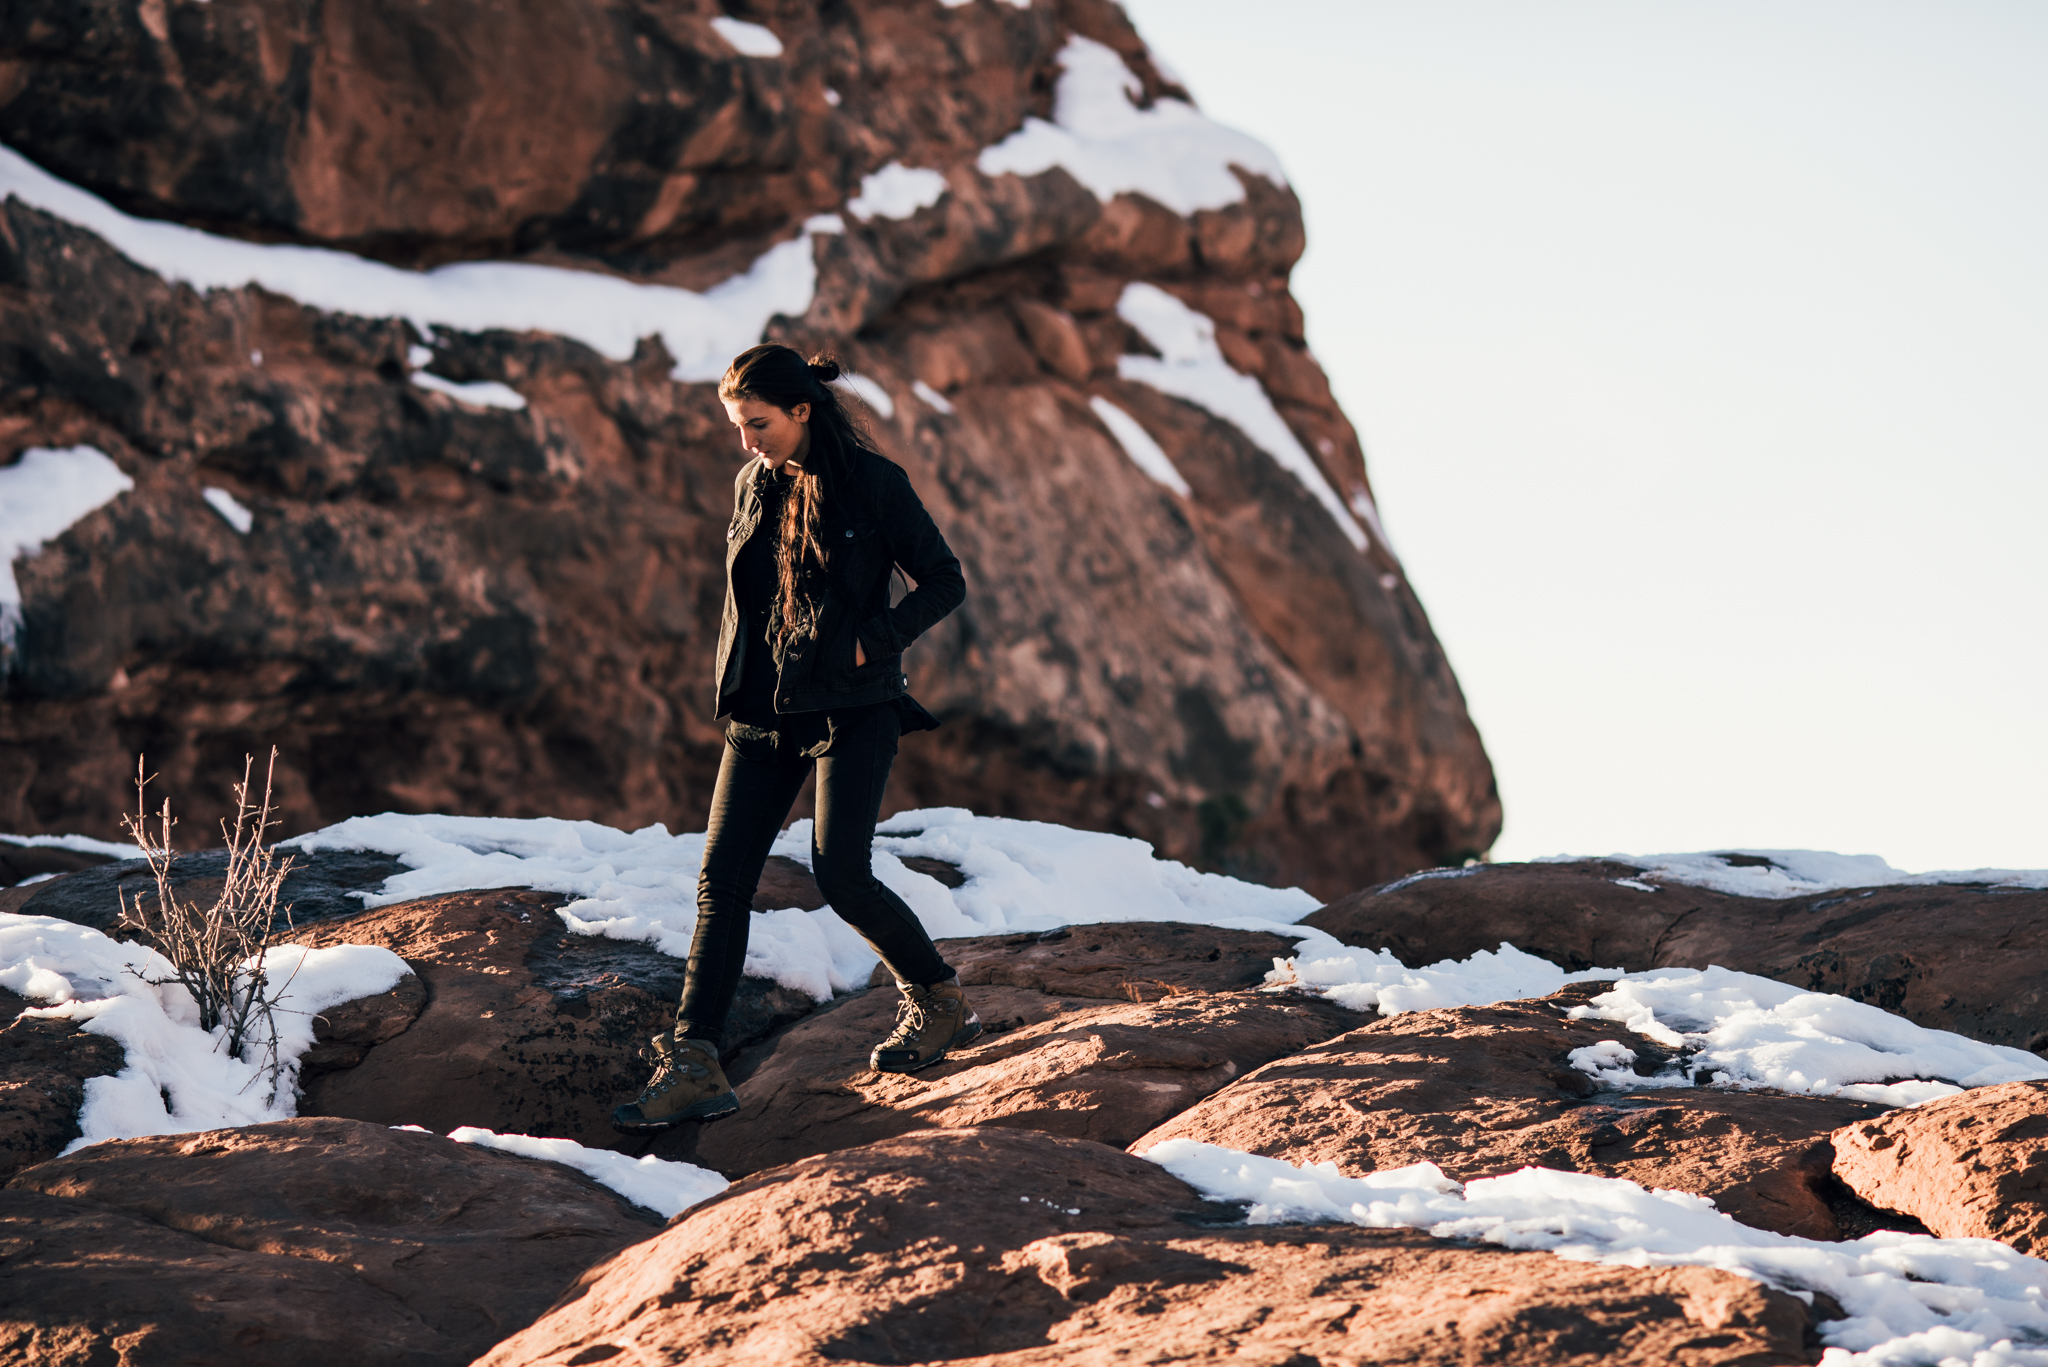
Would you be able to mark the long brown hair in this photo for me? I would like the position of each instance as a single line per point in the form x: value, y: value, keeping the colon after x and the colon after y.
x: 774, y: 373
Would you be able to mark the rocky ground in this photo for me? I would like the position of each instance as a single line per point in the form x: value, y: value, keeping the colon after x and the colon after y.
x: 989, y: 1209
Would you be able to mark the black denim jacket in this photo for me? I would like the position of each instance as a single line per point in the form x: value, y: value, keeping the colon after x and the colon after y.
x: 864, y: 536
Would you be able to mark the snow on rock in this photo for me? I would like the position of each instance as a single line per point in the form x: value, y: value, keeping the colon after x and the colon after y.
x: 1731, y: 1029
x: 1911, y: 1299
x: 868, y: 392
x: 1191, y: 366
x: 1798, y: 873
x: 1139, y: 446
x: 1369, y: 980
x: 604, y: 312
x: 229, y: 507
x: 477, y: 393
x: 897, y: 191
x: 1746, y: 1031
x: 176, y: 1078
x: 642, y: 885
x: 749, y: 40
x: 1169, y: 153
x: 41, y: 495
x: 932, y: 398
x: 662, y: 1186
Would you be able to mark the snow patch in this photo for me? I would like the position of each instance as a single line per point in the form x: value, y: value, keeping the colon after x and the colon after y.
x: 41, y: 496
x: 1169, y: 153
x: 868, y: 392
x: 84, y: 976
x: 1797, y: 873
x: 1144, y: 452
x: 897, y: 191
x: 931, y: 398
x: 1374, y: 980
x: 1910, y: 1298
x: 477, y: 393
x: 229, y: 507
x: 1741, y: 1030
x: 1729, y: 1029
x: 749, y: 40
x: 604, y: 312
x: 667, y: 1188
x: 1190, y: 366
x: 642, y: 885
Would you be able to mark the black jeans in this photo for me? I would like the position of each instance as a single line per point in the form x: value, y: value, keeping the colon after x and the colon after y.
x: 758, y: 780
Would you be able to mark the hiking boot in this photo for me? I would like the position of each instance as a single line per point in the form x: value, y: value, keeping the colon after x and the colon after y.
x: 687, y: 1084
x: 929, y: 1021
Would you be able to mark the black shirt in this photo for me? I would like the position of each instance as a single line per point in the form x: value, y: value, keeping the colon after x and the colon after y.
x: 754, y: 582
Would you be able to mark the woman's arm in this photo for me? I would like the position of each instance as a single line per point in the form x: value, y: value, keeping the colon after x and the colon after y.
x: 914, y: 543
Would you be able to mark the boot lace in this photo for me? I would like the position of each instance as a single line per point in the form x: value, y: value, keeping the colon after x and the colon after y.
x: 670, y: 1068
x: 913, y: 1015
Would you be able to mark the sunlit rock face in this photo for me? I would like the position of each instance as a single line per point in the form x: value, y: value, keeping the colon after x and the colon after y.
x: 454, y: 541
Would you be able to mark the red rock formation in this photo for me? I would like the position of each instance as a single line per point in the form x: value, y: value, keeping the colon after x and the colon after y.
x: 1952, y: 956
x: 1485, y: 1090
x: 306, y: 1241
x: 1973, y: 1166
x: 997, y: 1245
x: 446, y: 608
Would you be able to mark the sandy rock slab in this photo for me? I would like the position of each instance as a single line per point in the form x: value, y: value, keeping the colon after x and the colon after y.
x: 1006, y: 1246
x: 309, y: 1241
x: 1481, y: 1091
x: 1081, y: 1067
x: 1973, y: 1166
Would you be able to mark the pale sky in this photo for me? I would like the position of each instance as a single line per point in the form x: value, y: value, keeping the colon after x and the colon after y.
x: 1700, y: 354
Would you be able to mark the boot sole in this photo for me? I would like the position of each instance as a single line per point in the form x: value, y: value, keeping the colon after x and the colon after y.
x: 960, y: 1038
x: 720, y: 1108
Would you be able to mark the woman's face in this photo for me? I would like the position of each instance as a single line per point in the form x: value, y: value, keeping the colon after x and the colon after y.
x: 777, y: 435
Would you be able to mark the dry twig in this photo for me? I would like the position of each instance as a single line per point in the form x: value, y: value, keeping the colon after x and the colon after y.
x: 217, y: 952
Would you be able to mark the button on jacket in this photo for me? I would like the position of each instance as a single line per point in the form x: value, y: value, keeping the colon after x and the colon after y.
x: 866, y: 533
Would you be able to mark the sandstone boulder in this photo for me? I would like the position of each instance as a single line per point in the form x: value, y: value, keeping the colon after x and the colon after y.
x: 525, y: 1029
x: 1065, y: 1066
x: 43, y: 1068
x: 19, y: 862
x: 306, y: 1241
x: 441, y: 606
x: 1967, y: 958
x: 1002, y: 1246
x: 1481, y: 1091
x: 1973, y: 1166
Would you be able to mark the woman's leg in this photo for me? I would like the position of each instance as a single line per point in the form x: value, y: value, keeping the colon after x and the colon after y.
x: 748, y: 806
x: 850, y: 783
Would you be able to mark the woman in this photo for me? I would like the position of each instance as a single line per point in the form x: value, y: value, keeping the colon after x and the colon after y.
x: 810, y: 674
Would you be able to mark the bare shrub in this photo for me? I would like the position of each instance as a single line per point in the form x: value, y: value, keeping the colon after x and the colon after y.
x: 217, y: 952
